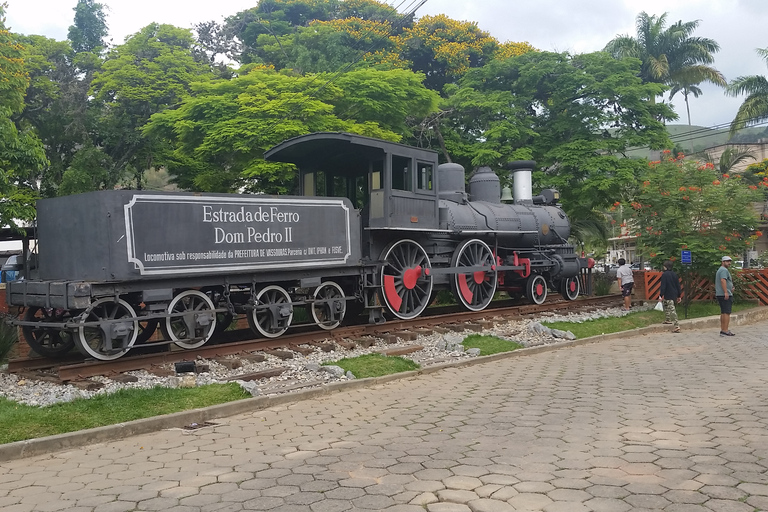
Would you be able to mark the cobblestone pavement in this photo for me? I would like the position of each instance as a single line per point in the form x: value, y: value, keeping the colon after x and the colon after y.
x: 672, y: 422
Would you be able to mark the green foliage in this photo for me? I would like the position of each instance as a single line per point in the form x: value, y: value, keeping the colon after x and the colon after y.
x: 218, y: 135
x: 149, y: 73
x: 296, y: 33
x: 22, y: 156
x: 91, y: 169
x: 375, y: 365
x: 9, y: 336
x: 601, y: 283
x: 90, y: 27
x: 490, y: 345
x: 641, y: 319
x: 683, y: 204
x: 19, y: 422
x: 554, y: 108
x: 444, y: 49
x: 754, y: 109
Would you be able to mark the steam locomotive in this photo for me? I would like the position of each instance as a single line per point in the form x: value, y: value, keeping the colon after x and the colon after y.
x: 377, y: 227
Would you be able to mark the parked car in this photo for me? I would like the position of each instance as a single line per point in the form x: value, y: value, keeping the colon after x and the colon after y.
x: 11, y: 269
x: 636, y: 266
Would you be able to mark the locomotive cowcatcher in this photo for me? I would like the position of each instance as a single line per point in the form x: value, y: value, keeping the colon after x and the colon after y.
x: 378, y: 227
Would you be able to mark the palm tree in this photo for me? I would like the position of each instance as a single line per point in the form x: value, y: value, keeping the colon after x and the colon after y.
x: 670, y: 56
x: 755, y: 108
x: 730, y: 158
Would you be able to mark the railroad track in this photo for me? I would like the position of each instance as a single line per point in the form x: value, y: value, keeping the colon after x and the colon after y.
x: 73, y: 367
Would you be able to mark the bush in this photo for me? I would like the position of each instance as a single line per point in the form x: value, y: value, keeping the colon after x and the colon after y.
x: 601, y: 283
x: 9, y: 336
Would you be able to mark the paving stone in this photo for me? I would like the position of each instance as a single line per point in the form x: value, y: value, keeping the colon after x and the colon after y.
x: 456, y: 496
x: 647, y: 501
x: 466, y: 483
x: 563, y: 506
x: 448, y: 507
x: 373, y: 502
x: 486, y: 490
x: 529, y: 501
x: 581, y: 428
x: 607, y: 505
x: 729, y: 506
x: 331, y: 506
x: 424, y: 499
x: 488, y: 505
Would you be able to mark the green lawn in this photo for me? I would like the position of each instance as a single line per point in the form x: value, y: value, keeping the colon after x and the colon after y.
x: 19, y: 422
x: 489, y: 344
x: 640, y: 319
x: 375, y: 365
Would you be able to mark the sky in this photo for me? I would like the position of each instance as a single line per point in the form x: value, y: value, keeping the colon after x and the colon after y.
x: 576, y: 26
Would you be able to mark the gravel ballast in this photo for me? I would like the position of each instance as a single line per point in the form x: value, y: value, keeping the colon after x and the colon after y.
x: 302, y: 371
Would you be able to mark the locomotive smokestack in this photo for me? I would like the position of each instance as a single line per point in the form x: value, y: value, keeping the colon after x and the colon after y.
x: 522, y: 180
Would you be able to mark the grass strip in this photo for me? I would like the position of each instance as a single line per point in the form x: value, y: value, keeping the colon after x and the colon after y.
x: 375, y: 365
x: 640, y: 319
x: 19, y: 422
x: 489, y: 345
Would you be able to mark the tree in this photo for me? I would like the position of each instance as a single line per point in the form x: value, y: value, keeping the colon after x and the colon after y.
x: 264, y: 31
x: 729, y: 158
x: 444, y: 49
x: 90, y: 28
x: 21, y: 152
x: 754, y: 109
x: 330, y: 46
x: 671, y: 55
x: 575, y: 115
x: 55, y: 105
x: 683, y: 204
x: 149, y: 73
x: 218, y: 135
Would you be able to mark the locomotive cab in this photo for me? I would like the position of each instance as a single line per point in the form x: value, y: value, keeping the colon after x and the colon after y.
x: 394, y: 186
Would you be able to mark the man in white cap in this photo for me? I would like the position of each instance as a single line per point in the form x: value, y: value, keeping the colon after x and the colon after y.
x: 724, y: 294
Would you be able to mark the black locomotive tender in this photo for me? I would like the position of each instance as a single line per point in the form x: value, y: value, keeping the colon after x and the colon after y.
x: 378, y: 227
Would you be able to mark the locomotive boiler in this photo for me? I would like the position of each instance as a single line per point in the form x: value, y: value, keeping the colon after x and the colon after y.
x: 376, y: 227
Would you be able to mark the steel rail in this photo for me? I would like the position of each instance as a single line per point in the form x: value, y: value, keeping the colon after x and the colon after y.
x: 75, y: 368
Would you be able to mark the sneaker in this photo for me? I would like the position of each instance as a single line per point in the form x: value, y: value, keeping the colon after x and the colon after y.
x: 729, y: 333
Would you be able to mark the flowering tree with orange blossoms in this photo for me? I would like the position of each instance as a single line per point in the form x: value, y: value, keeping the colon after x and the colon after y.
x: 684, y: 204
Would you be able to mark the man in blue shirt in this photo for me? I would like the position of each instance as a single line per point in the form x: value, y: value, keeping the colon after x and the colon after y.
x: 724, y: 294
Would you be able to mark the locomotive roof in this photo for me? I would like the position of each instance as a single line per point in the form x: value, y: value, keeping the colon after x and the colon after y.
x: 314, y: 148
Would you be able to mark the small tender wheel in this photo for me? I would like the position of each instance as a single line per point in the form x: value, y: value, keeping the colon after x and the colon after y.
x: 536, y: 289
x: 474, y: 290
x: 330, y: 311
x: 272, y: 313
x: 47, y: 342
x: 570, y: 288
x: 109, y: 339
x: 406, y: 281
x: 197, y: 322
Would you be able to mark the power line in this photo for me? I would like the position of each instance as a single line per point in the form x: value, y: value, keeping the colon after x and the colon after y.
x: 702, y: 133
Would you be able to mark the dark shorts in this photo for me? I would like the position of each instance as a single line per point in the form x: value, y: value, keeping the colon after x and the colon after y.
x: 725, y: 304
x: 626, y: 289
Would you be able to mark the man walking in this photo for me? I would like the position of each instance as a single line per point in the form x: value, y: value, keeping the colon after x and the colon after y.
x: 626, y: 282
x: 724, y: 294
x: 670, y: 293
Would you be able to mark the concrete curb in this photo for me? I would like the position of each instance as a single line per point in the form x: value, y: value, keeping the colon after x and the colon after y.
x: 52, y: 444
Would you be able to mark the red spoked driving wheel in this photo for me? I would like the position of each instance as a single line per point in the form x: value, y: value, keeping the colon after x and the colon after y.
x: 406, y: 282
x: 474, y: 289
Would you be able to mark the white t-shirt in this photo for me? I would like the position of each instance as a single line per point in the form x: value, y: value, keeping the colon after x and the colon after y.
x: 625, y: 274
